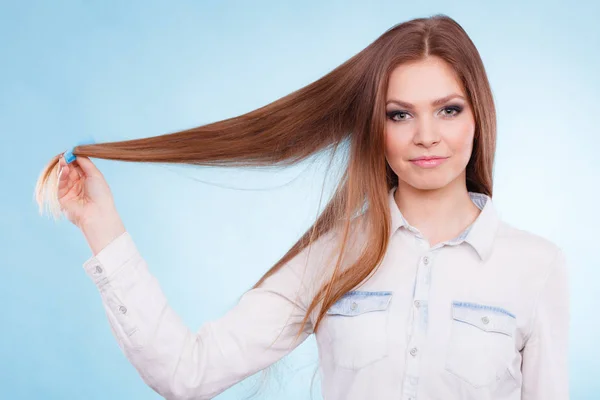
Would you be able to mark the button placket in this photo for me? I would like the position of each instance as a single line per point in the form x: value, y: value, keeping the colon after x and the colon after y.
x: 418, y: 325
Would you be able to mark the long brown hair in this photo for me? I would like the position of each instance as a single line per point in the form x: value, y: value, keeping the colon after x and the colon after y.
x: 345, y: 105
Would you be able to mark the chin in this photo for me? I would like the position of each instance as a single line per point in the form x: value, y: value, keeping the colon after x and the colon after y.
x: 429, y: 183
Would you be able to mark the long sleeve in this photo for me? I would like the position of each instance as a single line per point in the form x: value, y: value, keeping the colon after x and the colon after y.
x: 545, y: 355
x: 178, y: 363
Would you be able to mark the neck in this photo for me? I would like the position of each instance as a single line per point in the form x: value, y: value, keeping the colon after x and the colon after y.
x: 439, y: 214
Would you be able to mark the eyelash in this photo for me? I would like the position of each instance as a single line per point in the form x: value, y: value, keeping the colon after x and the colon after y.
x: 391, y: 114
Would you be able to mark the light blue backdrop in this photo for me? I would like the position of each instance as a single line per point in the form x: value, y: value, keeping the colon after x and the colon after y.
x: 117, y: 70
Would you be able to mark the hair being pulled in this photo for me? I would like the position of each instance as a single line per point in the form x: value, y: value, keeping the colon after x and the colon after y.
x: 345, y: 105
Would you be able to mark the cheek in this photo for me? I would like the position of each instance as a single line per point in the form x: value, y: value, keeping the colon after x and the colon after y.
x: 460, y: 140
x: 394, y: 143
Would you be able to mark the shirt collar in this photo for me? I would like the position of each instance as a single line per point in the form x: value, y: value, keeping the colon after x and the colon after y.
x: 480, y: 234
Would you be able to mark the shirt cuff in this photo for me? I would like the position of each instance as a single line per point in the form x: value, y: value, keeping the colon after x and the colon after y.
x: 110, y: 259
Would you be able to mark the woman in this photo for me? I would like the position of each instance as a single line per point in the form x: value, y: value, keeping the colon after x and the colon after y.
x: 413, y: 285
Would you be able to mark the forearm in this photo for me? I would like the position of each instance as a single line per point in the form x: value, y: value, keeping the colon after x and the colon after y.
x: 168, y: 356
x: 100, y: 230
x: 175, y: 361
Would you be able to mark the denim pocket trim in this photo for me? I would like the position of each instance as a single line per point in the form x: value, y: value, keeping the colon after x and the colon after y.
x: 358, y: 302
x: 482, y: 307
x: 357, y: 329
x: 484, y: 317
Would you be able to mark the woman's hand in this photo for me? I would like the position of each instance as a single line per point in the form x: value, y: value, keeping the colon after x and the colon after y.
x: 86, y: 200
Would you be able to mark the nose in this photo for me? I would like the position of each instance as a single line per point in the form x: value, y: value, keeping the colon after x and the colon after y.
x: 427, y: 133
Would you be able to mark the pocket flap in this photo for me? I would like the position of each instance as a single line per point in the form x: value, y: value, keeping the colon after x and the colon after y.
x: 358, y: 302
x: 487, y: 318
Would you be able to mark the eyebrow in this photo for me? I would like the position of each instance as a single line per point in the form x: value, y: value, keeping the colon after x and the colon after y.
x: 434, y: 103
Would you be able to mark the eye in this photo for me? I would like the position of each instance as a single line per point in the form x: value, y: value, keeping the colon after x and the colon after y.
x: 392, y: 115
x: 454, y: 111
x: 401, y: 116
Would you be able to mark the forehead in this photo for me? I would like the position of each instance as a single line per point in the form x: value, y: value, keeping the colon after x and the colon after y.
x: 422, y: 81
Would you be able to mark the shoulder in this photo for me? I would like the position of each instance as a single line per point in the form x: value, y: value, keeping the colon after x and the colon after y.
x: 528, y: 251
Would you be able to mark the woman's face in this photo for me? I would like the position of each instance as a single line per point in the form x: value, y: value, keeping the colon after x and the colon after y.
x: 416, y: 127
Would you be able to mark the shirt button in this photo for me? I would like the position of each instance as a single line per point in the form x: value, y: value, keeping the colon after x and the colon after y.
x: 425, y: 260
x: 413, y: 351
x: 353, y: 306
x: 485, y: 320
x: 417, y: 303
x: 98, y: 269
x: 123, y: 309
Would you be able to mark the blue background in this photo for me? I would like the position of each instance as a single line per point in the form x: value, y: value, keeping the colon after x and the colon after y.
x: 119, y: 70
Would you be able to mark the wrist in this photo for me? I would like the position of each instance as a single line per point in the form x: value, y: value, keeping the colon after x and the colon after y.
x: 99, y: 232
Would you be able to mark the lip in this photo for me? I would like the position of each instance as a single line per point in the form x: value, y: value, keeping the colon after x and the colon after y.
x: 428, y: 162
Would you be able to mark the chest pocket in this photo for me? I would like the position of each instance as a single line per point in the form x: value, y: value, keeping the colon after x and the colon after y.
x: 482, y: 345
x: 357, y: 325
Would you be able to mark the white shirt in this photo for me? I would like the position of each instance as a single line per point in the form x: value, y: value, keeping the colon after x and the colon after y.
x: 483, y: 316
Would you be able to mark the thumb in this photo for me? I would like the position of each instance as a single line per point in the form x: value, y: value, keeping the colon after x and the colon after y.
x: 87, y: 166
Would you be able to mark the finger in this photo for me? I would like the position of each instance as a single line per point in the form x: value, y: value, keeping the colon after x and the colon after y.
x: 60, y: 175
x: 87, y: 167
x: 80, y: 172
x: 64, y: 184
x: 73, y: 173
x: 63, y: 173
x: 62, y: 163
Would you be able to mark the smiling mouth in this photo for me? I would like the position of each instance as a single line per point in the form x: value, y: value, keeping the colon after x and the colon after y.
x: 429, y: 162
